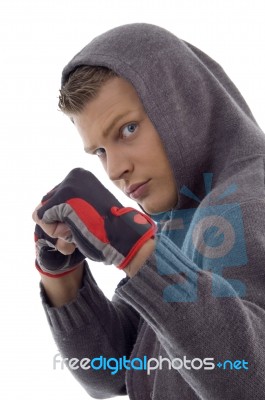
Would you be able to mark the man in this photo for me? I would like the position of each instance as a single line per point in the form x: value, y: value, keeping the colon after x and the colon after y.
x: 176, y: 136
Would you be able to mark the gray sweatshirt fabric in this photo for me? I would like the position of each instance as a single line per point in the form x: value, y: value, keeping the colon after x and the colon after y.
x: 201, y: 295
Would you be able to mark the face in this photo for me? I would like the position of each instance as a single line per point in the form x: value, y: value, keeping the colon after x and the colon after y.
x: 115, y: 128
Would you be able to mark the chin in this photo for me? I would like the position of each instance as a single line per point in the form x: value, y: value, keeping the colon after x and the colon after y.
x: 154, y: 209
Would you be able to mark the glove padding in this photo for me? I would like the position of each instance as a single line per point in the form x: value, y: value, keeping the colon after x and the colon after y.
x: 51, y: 262
x: 102, y: 229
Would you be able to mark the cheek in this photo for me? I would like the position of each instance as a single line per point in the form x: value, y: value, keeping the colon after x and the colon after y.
x: 166, y: 192
x: 118, y: 185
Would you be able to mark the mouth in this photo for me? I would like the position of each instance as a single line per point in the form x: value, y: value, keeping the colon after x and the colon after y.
x: 137, y: 190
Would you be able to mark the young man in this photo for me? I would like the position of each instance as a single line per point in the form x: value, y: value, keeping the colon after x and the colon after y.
x: 175, y: 135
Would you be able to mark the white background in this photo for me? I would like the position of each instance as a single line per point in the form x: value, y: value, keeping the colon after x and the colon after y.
x: 39, y: 146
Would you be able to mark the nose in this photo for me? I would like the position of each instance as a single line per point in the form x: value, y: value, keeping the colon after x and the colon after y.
x: 118, y: 165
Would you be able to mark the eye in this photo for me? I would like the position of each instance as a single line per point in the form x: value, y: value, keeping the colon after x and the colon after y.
x: 129, y: 129
x: 100, y: 152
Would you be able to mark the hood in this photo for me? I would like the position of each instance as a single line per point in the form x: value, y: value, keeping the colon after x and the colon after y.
x: 201, y: 117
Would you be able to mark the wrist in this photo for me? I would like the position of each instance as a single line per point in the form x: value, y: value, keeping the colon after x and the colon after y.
x: 141, y: 256
x: 63, y: 289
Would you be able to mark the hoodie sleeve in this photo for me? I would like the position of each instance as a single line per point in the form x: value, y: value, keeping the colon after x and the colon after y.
x: 197, y: 313
x: 88, y: 327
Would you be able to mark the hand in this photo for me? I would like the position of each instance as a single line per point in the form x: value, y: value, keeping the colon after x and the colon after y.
x: 100, y: 227
x: 52, y: 262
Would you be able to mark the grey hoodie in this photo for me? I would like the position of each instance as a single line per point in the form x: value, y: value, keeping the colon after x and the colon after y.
x: 199, y: 300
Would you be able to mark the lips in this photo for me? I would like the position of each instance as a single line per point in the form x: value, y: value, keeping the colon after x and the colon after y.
x: 136, y: 190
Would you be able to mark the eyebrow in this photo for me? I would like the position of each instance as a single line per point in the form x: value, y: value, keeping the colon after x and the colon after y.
x: 108, y: 129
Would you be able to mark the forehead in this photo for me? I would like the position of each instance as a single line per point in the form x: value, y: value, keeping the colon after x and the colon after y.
x: 115, y: 96
x: 116, y: 100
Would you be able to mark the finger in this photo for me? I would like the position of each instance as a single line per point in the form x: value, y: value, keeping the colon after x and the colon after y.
x: 55, y: 229
x: 62, y: 231
x: 35, y: 215
x: 49, y: 229
x: 64, y: 247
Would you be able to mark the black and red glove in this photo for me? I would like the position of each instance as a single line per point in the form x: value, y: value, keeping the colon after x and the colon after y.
x: 51, y: 262
x: 102, y: 229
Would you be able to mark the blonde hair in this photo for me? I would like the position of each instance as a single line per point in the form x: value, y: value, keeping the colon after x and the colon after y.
x: 83, y: 85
